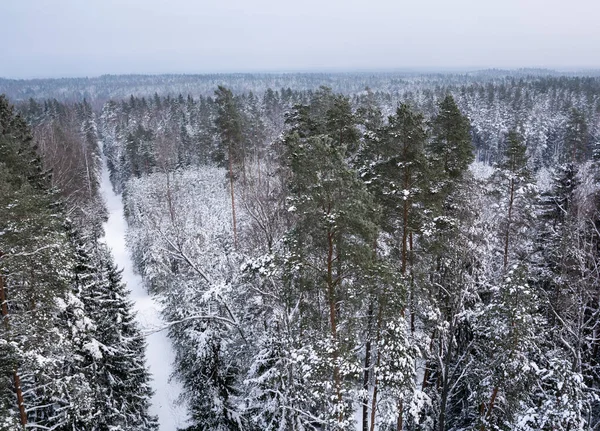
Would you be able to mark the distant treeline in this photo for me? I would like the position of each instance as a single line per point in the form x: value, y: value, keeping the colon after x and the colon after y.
x: 98, y: 90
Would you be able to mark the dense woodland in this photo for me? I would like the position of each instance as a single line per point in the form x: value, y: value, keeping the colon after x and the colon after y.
x: 382, y: 253
x: 71, y: 356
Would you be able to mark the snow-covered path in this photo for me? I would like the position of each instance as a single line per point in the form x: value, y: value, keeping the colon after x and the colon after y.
x: 159, y: 352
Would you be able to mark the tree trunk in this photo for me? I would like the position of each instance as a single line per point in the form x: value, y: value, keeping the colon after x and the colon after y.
x: 412, y: 284
x: 333, y: 321
x: 445, y: 383
x: 20, y: 402
x: 170, y: 199
x: 3, y: 301
x: 405, y: 238
x: 490, y: 406
x: 508, y: 222
x: 232, y: 198
x: 365, y: 409
x: 17, y: 380
x: 244, y: 183
x: 492, y: 401
x: 405, y: 210
x: 426, y: 372
x: 506, y: 244
x: 376, y: 382
x: 400, y: 419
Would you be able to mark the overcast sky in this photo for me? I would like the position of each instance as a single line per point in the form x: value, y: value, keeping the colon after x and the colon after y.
x: 53, y: 38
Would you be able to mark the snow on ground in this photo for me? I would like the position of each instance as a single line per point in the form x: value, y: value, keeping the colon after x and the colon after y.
x: 159, y: 353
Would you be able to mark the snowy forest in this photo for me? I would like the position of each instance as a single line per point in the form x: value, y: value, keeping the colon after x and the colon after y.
x: 328, y: 251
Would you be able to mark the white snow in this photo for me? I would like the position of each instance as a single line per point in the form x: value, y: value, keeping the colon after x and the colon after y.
x: 481, y: 170
x: 159, y: 352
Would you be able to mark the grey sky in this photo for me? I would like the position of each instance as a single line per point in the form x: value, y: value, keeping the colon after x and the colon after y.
x: 52, y: 38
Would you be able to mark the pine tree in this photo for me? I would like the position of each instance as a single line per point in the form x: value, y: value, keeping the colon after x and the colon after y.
x: 450, y: 145
x: 396, y: 173
x: 229, y: 126
x: 577, y: 138
x: 511, y: 214
x: 394, y: 170
x: 515, y: 200
x: 137, y: 157
x: 333, y: 240
x: 450, y: 260
x: 283, y: 387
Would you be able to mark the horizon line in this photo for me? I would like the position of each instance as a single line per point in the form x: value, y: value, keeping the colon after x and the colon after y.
x: 330, y: 71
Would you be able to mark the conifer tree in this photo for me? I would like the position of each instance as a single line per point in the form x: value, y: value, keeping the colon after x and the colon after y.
x: 120, y: 368
x: 577, y: 138
x: 450, y: 248
x: 229, y: 126
x: 450, y: 149
x: 32, y: 251
x: 63, y: 313
x: 394, y: 169
x: 515, y: 194
x: 333, y: 241
x: 512, y: 213
x: 112, y: 354
x: 508, y: 339
x: 451, y: 143
x: 567, y: 275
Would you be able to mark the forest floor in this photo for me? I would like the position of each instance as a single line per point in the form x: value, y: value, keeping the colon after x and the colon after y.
x: 159, y: 352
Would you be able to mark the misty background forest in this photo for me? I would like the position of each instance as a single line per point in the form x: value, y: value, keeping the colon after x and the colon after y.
x: 328, y: 251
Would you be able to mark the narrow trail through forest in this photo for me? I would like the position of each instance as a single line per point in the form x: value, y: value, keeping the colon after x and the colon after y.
x: 159, y: 352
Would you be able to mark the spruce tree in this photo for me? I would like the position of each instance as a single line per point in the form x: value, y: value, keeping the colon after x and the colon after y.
x: 33, y: 252
x: 119, y: 365
x: 72, y: 352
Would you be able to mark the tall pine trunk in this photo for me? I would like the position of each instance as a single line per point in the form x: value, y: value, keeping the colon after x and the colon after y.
x: 445, y: 382
x: 367, y: 367
x: 377, y: 362
x: 404, y: 264
x: 16, y: 378
x: 231, y: 187
x: 337, y: 381
x: 509, y: 221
